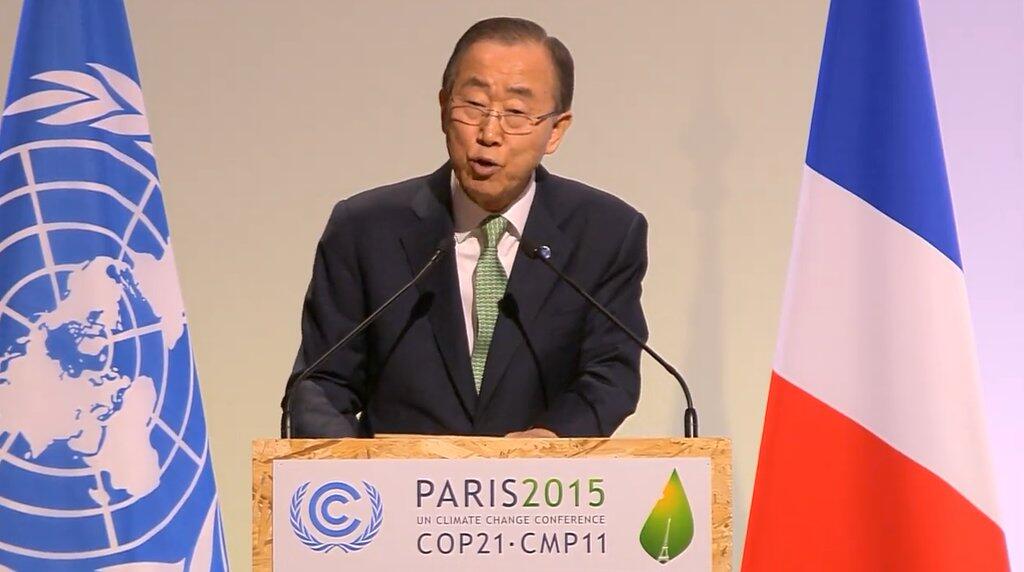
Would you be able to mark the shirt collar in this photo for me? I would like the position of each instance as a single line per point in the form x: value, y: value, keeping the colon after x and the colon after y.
x: 468, y: 215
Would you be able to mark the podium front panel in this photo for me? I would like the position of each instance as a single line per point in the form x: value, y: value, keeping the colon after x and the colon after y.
x: 496, y: 504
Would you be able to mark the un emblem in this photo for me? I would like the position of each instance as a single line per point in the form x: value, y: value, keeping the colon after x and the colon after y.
x: 329, y: 512
x: 102, y: 439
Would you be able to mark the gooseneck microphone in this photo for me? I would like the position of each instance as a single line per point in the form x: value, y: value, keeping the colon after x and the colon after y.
x: 543, y: 253
x: 443, y: 247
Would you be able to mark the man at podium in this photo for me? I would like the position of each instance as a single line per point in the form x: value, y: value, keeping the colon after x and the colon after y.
x: 489, y: 341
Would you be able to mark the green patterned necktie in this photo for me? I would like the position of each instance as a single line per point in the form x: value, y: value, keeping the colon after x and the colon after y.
x: 488, y: 287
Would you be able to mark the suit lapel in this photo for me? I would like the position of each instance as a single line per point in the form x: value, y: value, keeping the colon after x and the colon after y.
x: 528, y: 287
x: 433, y: 207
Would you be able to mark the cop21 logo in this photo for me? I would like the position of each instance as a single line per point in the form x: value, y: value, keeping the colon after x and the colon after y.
x: 328, y: 513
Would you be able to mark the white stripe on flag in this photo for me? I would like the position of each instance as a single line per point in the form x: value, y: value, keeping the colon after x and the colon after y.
x: 876, y: 325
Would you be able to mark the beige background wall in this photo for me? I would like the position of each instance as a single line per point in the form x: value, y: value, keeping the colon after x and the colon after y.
x: 266, y: 113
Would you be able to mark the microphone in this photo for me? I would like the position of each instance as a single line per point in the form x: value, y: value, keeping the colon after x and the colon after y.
x: 443, y: 247
x: 543, y: 253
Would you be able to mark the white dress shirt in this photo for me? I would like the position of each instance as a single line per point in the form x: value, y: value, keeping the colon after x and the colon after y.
x: 469, y: 238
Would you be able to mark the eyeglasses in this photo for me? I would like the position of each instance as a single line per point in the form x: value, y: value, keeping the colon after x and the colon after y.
x: 512, y: 123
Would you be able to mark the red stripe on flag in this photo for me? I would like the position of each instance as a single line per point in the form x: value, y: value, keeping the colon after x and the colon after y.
x: 831, y: 496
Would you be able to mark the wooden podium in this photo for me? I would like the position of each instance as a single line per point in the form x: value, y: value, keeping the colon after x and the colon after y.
x: 266, y: 451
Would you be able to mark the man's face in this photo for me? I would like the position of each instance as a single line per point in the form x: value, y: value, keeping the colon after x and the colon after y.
x: 492, y: 166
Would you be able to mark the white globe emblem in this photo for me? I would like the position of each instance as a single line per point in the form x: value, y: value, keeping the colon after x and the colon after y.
x: 98, y: 397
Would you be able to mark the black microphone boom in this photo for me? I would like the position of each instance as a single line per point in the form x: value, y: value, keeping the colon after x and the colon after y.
x: 286, y: 414
x: 543, y: 253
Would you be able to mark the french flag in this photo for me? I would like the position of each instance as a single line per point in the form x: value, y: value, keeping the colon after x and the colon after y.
x: 874, y: 454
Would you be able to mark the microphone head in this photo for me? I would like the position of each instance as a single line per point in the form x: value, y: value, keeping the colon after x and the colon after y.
x: 444, y: 246
x: 533, y: 251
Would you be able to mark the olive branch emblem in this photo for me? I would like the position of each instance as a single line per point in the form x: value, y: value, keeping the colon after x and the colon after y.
x: 86, y: 98
x: 367, y: 536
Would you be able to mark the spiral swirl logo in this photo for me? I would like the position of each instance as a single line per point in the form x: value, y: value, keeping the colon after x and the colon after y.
x: 330, y: 512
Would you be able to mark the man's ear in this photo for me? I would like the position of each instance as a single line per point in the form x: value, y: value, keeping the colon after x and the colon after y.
x: 562, y: 123
x: 442, y: 98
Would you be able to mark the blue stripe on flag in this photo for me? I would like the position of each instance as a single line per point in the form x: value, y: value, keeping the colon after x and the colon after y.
x: 875, y: 131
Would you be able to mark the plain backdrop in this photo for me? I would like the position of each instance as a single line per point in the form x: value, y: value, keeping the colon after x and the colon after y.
x: 264, y: 114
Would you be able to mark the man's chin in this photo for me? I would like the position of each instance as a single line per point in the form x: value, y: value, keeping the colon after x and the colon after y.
x: 479, y: 179
x: 491, y: 198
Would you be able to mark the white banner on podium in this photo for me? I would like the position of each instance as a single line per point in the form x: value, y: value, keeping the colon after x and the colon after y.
x: 495, y: 514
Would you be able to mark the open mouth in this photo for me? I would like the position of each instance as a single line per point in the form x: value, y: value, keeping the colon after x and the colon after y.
x: 482, y: 166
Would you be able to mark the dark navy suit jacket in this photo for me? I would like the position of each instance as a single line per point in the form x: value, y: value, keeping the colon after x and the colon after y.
x: 553, y: 361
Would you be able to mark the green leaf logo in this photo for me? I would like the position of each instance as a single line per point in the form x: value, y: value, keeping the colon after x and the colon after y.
x: 669, y: 528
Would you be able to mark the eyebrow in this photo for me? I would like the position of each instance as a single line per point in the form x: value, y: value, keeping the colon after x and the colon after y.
x: 520, y: 90
x: 475, y: 81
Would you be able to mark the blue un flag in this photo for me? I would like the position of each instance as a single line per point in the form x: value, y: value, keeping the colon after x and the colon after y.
x: 104, y: 458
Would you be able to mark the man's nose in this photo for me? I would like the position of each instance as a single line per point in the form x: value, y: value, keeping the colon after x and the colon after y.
x: 490, y: 132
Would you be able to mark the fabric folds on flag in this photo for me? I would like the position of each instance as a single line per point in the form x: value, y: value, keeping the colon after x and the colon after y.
x: 874, y: 455
x: 104, y: 457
